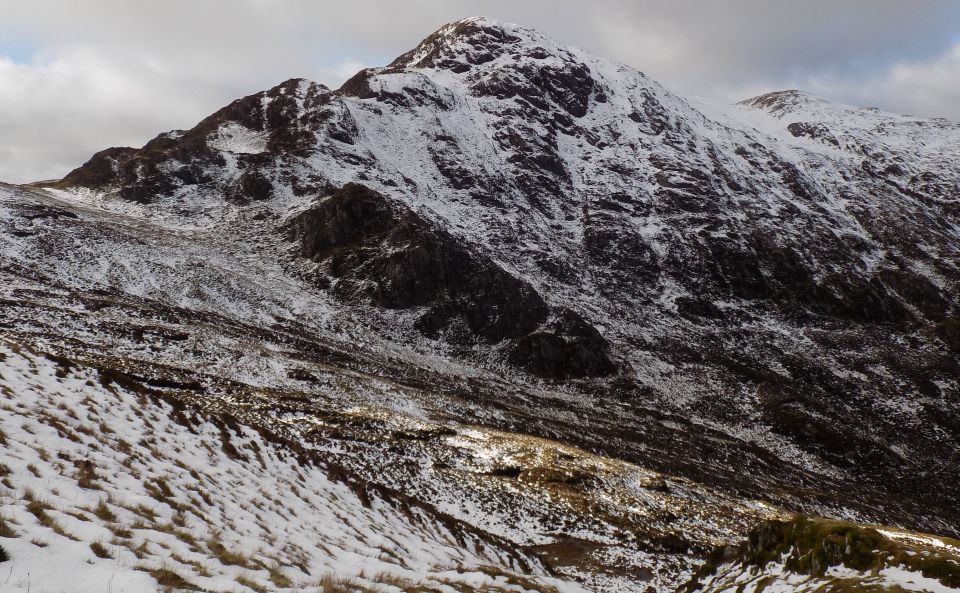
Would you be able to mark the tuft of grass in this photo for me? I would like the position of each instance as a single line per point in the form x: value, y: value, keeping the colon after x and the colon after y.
x: 279, y: 579
x: 142, y: 550
x: 86, y: 474
x: 333, y: 584
x: 183, y: 535
x: 227, y: 556
x: 145, y: 511
x: 38, y: 508
x: 105, y: 513
x: 249, y: 583
x: 5, y: 529
x: 159, y: 490
x: 121, y: 531
x: 404, y: 584
x: 180, y: 519
x: 100, y: 550
x: 59, y: 530
x: 168, y: 578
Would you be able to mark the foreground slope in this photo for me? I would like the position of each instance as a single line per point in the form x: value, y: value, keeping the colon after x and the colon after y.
x: 122, y: 491
x: 804, y: 555
x: 121, y: 486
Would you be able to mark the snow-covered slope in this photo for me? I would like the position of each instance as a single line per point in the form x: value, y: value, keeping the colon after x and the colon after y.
x: 751, y: 305
x: 120, y: 491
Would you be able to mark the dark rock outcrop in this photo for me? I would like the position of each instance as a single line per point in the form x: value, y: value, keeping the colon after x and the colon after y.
x: 379, y: 251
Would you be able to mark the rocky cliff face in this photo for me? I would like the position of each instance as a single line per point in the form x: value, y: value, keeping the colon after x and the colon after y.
x: 385, y: 254
x: 761, y: 297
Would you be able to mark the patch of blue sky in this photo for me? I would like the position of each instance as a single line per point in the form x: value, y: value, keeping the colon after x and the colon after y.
x: 17, y: 50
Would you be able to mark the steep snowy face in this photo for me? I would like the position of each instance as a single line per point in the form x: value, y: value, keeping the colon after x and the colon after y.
x: 783, y: 271
x: 918, y: 157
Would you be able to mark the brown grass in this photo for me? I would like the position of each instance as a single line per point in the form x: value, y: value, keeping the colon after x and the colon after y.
x: 249, y: 583
x: 332, y: 584
x: 226, y: 555
x: 100, y: 550
x: 5, y: 529
x: 279, y: 579
x: 38, y: 508
x: 104, y: 513
x: 121, y: 531
x: 146, y: 512
x: 86, y: 474
x: 168, y: 578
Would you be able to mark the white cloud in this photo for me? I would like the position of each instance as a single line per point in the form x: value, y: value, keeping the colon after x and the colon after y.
x: 929, y: 88
x: 54, y: 115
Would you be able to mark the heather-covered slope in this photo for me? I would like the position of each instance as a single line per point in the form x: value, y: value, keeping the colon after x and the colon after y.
x: 803, y: 555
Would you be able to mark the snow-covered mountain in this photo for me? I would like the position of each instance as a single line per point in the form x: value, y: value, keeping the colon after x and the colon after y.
x: 536, y: 292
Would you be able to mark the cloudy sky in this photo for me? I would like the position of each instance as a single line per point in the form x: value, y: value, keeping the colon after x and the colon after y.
x: 76, y: 77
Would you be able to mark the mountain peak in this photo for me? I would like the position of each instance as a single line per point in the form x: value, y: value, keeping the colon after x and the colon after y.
x: 477, y: 39
x: 476, y: 21
x: 781, y: 102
